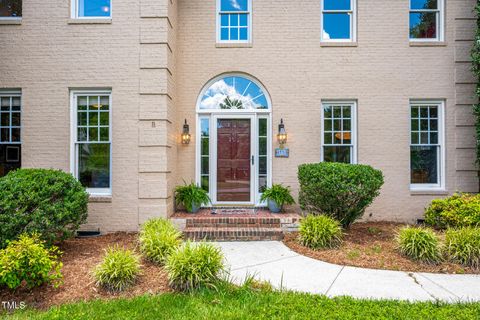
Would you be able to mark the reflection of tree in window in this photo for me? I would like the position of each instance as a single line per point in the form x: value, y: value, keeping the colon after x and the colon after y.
x: 231, y: 104
x: 423, y: 24
x: 10, y: 8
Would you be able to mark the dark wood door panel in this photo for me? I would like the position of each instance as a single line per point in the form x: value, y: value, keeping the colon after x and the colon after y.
x: 233, y: 160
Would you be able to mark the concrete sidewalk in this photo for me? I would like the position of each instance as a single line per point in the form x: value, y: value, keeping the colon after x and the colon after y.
x: 272, y: 261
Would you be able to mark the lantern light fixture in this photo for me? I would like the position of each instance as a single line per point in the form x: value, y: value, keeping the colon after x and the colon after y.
x: 282, y: 134
x: 186, y: 133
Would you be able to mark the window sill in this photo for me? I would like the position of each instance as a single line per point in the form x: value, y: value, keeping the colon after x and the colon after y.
x: 99, y: 199
x: 339, y: 44
x: 89, y: 21
x: 426, y: 192
x: 233, y: 45
x: 10, y: 21
x: 428, y: 44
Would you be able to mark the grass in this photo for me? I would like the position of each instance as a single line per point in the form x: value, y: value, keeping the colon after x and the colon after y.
x: 247, y: 303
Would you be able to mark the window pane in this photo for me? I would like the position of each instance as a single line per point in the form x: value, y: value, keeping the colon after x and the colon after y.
x: 93, y: 134
x: 262, y: 183
x: 423, y: 4
x: 336, y: 4
x: 5, y: 104
x: 234, y: 5
x: 234, y: 20
x: 243, y: 34
x: 337, y: 154
x: 16, y: 119
x: 336, y: 26
x: 4, y: 135
x: 243, y: 20
x: 262, y: 165
x: 347, y: 125
x: 327, y: 112
x: 423, y: 25
x: 94, y: 165
x: 415, y: 138
x: 93, y: 103
x: 16, y: 103
x: 10, y: 8
x: 224, y: 34
x: 224, y: 20
x: 414, y: 125
x: 93, y: 119
x: 205, y: 147
x: 262, y: 123
x: 16, y: 135
x: 262, y: 148
x: 82, y: 103
x: 104, y: 134
x: 233, y: 33
x: 205, y: 183
x: 205, y: 127
x: 104, y: 118
x: 104, y: 103
x: 10, y: 158
x: 328, y: 125
x: 337, y: 112
x: 82, y: 134
x: 424, y: 162
x: 93, y: 8
x: 82, y: 119
x: 327, y: 138
x: 4, y: 119
x: 205, y: 168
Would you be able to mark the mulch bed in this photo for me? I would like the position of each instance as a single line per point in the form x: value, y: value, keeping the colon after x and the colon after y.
x: 79, y: 258
x: 372, y: 245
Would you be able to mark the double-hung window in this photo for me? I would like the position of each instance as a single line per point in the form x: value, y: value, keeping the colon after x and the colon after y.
x: 338, y: 21
x: 92, y: 140
x: 426, y: 145
x: 10, y: 129
x: 426, y: 20
x: 234, y: 21
x: 91, y: 9
x: 10, y: 9
x: 339, y: 132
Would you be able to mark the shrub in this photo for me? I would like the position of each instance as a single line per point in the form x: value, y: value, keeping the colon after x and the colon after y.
x: 318, y: 232
x: 51, y: 203
x: 419, y: 244
x: 341, y: 191
x: 463, y: 246
x: 28, y: 260
x: 459, y: 210
x: 118, y: 270
x: 158, y: 238
x: 191, y: 197
x: 194, y: 265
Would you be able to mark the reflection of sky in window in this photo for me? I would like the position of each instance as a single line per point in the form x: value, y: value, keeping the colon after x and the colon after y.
x: 235, y: 88
x: 336, y: 4
x: 93, y: 8
x: 336, y: 26
x: 234, y: 5
x: 423, y: 4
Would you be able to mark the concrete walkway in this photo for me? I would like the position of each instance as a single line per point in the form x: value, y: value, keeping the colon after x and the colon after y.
x: 272, y: 261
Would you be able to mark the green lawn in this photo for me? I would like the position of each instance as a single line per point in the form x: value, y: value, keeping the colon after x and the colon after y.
x: 248, y: 304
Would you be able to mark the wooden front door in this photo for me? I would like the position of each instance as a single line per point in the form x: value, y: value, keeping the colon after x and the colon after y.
x: 233, y: 160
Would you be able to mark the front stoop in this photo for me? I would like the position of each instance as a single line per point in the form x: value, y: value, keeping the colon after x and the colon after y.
x: 256, y: 226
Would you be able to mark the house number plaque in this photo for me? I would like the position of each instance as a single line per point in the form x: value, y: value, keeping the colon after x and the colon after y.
x: 282, y: 153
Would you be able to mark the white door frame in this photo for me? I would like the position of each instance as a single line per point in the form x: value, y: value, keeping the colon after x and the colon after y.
x: 254, y: 151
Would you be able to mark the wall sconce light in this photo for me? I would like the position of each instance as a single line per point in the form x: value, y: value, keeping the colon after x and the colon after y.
x: 186, y: 133
x: 282, y: 134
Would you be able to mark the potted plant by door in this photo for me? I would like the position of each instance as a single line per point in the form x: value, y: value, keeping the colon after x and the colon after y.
x: 276, y: 196
x: 191, y: 196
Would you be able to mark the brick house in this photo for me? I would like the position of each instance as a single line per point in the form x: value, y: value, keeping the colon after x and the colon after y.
x: 104, y: 89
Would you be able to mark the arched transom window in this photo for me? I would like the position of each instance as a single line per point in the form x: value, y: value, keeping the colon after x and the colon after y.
x: 234, y: 93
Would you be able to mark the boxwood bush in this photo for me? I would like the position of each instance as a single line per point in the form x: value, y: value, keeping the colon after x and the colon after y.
x: 51, y: 203
x: 459, y: 210
x: 194, y: 265
x: 463, y: 246
x: 341, y: 191
x: 28, y: 261
x: 420, y: 244
x: 319, y: 232
x: 158, y: 238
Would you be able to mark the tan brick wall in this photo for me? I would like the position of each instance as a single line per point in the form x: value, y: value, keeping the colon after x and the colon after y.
x: 156, y: 55
x: 382, y: 73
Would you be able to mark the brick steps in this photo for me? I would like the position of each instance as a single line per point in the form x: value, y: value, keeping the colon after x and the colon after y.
x: 233, y: 233
x: 240, y: 222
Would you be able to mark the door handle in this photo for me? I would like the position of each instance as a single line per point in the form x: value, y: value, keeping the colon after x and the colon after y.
x: 253, y: 160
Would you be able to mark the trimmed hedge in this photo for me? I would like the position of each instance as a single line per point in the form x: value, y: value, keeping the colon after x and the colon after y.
x: 48, y: 202
x: 341, y: 191
x: 459, y: 210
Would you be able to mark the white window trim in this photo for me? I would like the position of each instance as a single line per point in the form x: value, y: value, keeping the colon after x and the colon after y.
x: 14, y: 93
x: 74, y: 12
x: 73, y: 137
x: 440, y: 22
x: 441, y: 143
x: 353, y: 105
x: 353, y: 22
x: 219, y: 24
